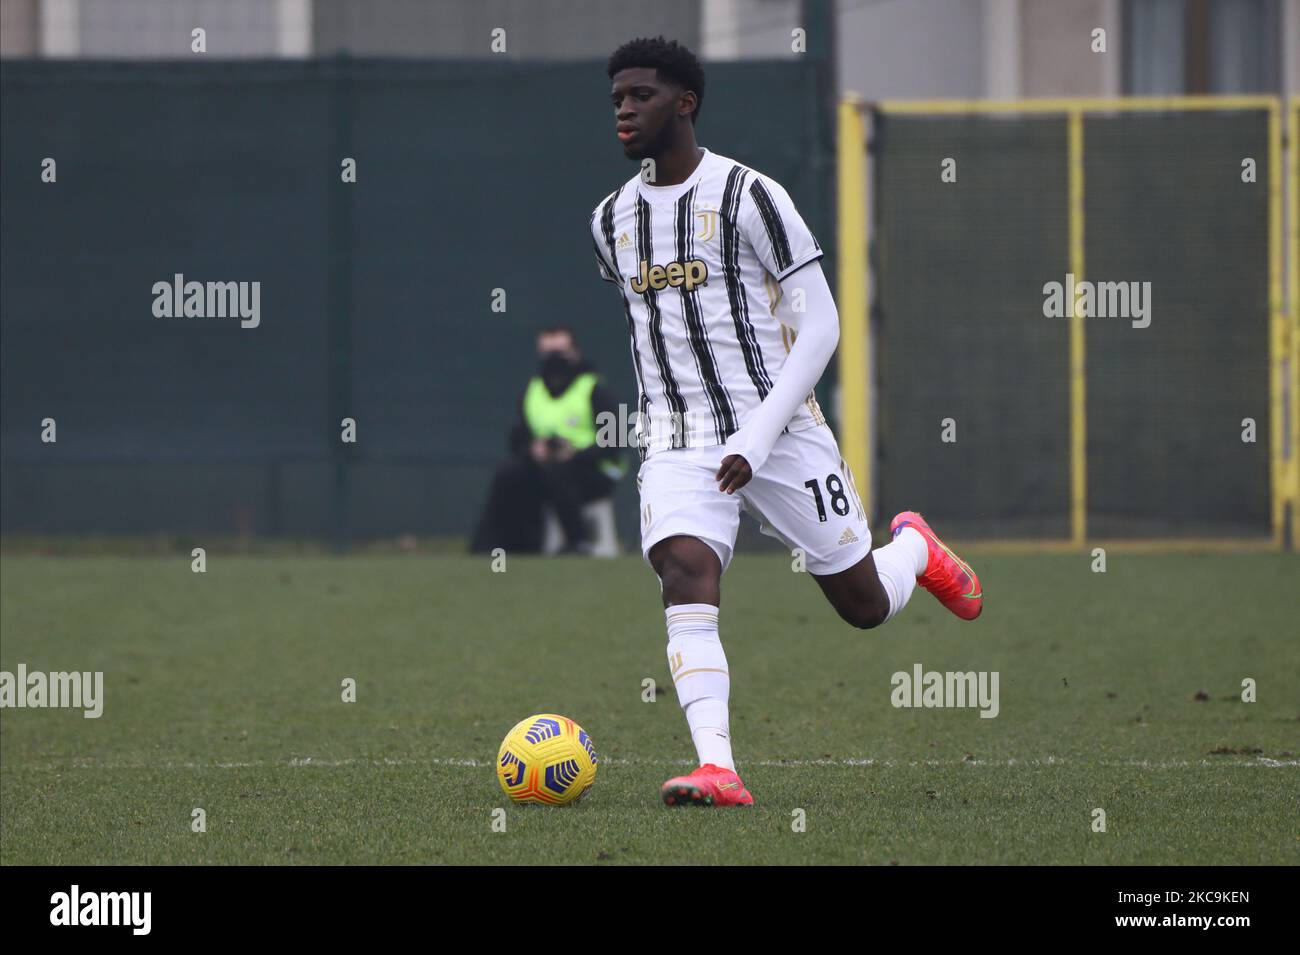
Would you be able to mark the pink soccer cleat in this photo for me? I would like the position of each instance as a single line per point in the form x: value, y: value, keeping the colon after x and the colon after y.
x: 947, y: 576
x: 707, y: 786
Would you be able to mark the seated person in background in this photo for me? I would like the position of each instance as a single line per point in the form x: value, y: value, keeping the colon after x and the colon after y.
x: 554, y: 456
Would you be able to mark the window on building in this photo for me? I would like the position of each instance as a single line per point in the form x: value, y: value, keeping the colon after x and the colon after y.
x: 1174, y: 47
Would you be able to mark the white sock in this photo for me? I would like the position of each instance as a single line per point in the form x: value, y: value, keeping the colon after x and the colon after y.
x: 915, y: 544
x: 700, y: 674
x: 896, y: 565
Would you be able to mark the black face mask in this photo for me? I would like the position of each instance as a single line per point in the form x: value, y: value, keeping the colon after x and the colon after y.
x: 556, y: 366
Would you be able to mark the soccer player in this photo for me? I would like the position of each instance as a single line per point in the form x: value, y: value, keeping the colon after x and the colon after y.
x: 732, y: 324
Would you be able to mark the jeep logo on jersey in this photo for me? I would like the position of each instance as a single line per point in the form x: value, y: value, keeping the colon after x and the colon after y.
x: 675, y: 274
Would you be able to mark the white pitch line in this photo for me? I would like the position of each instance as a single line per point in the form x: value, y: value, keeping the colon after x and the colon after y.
x: 309, y: 761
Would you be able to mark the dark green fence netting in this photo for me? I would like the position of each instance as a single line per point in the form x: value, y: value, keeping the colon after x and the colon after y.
x: 960, y: 329
x: 375, y: 296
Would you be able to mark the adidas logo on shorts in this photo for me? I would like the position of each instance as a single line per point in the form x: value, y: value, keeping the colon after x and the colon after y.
x: 848, y: 537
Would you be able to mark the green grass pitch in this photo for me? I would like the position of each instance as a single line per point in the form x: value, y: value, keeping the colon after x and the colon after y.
x: 1118, y: 691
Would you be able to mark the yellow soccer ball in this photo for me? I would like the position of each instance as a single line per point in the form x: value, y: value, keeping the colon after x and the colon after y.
x: 547, y: 759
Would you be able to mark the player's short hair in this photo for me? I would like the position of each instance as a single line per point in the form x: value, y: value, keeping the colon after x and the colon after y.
x: 671, y: 60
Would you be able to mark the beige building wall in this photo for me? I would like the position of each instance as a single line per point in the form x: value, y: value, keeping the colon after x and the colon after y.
x: 912, y: 49
x: 1056, y: 55
x: 1291, y: 46
x: 886, y: 48
x: 20, y: 29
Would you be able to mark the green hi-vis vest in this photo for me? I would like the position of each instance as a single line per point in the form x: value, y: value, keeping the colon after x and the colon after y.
x: 569, y: 416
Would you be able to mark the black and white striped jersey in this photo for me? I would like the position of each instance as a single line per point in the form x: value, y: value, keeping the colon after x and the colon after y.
x: 699, y: 265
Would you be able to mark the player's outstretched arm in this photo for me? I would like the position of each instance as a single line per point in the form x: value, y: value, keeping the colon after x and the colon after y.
x: 819, y: 333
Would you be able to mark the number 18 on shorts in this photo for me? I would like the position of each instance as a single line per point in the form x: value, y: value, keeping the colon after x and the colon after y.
x: 803, y: 496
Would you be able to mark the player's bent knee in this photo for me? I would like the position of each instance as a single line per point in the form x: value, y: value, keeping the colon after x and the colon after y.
x: 683, y: 585
x: 865, y: 614
x: 688, y: 570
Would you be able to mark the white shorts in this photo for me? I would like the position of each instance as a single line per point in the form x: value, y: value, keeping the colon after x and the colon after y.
x: 803, y: 496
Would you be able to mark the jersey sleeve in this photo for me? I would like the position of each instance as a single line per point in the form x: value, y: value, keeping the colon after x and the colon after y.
x: 773, y: 226
x: 601, y: 248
